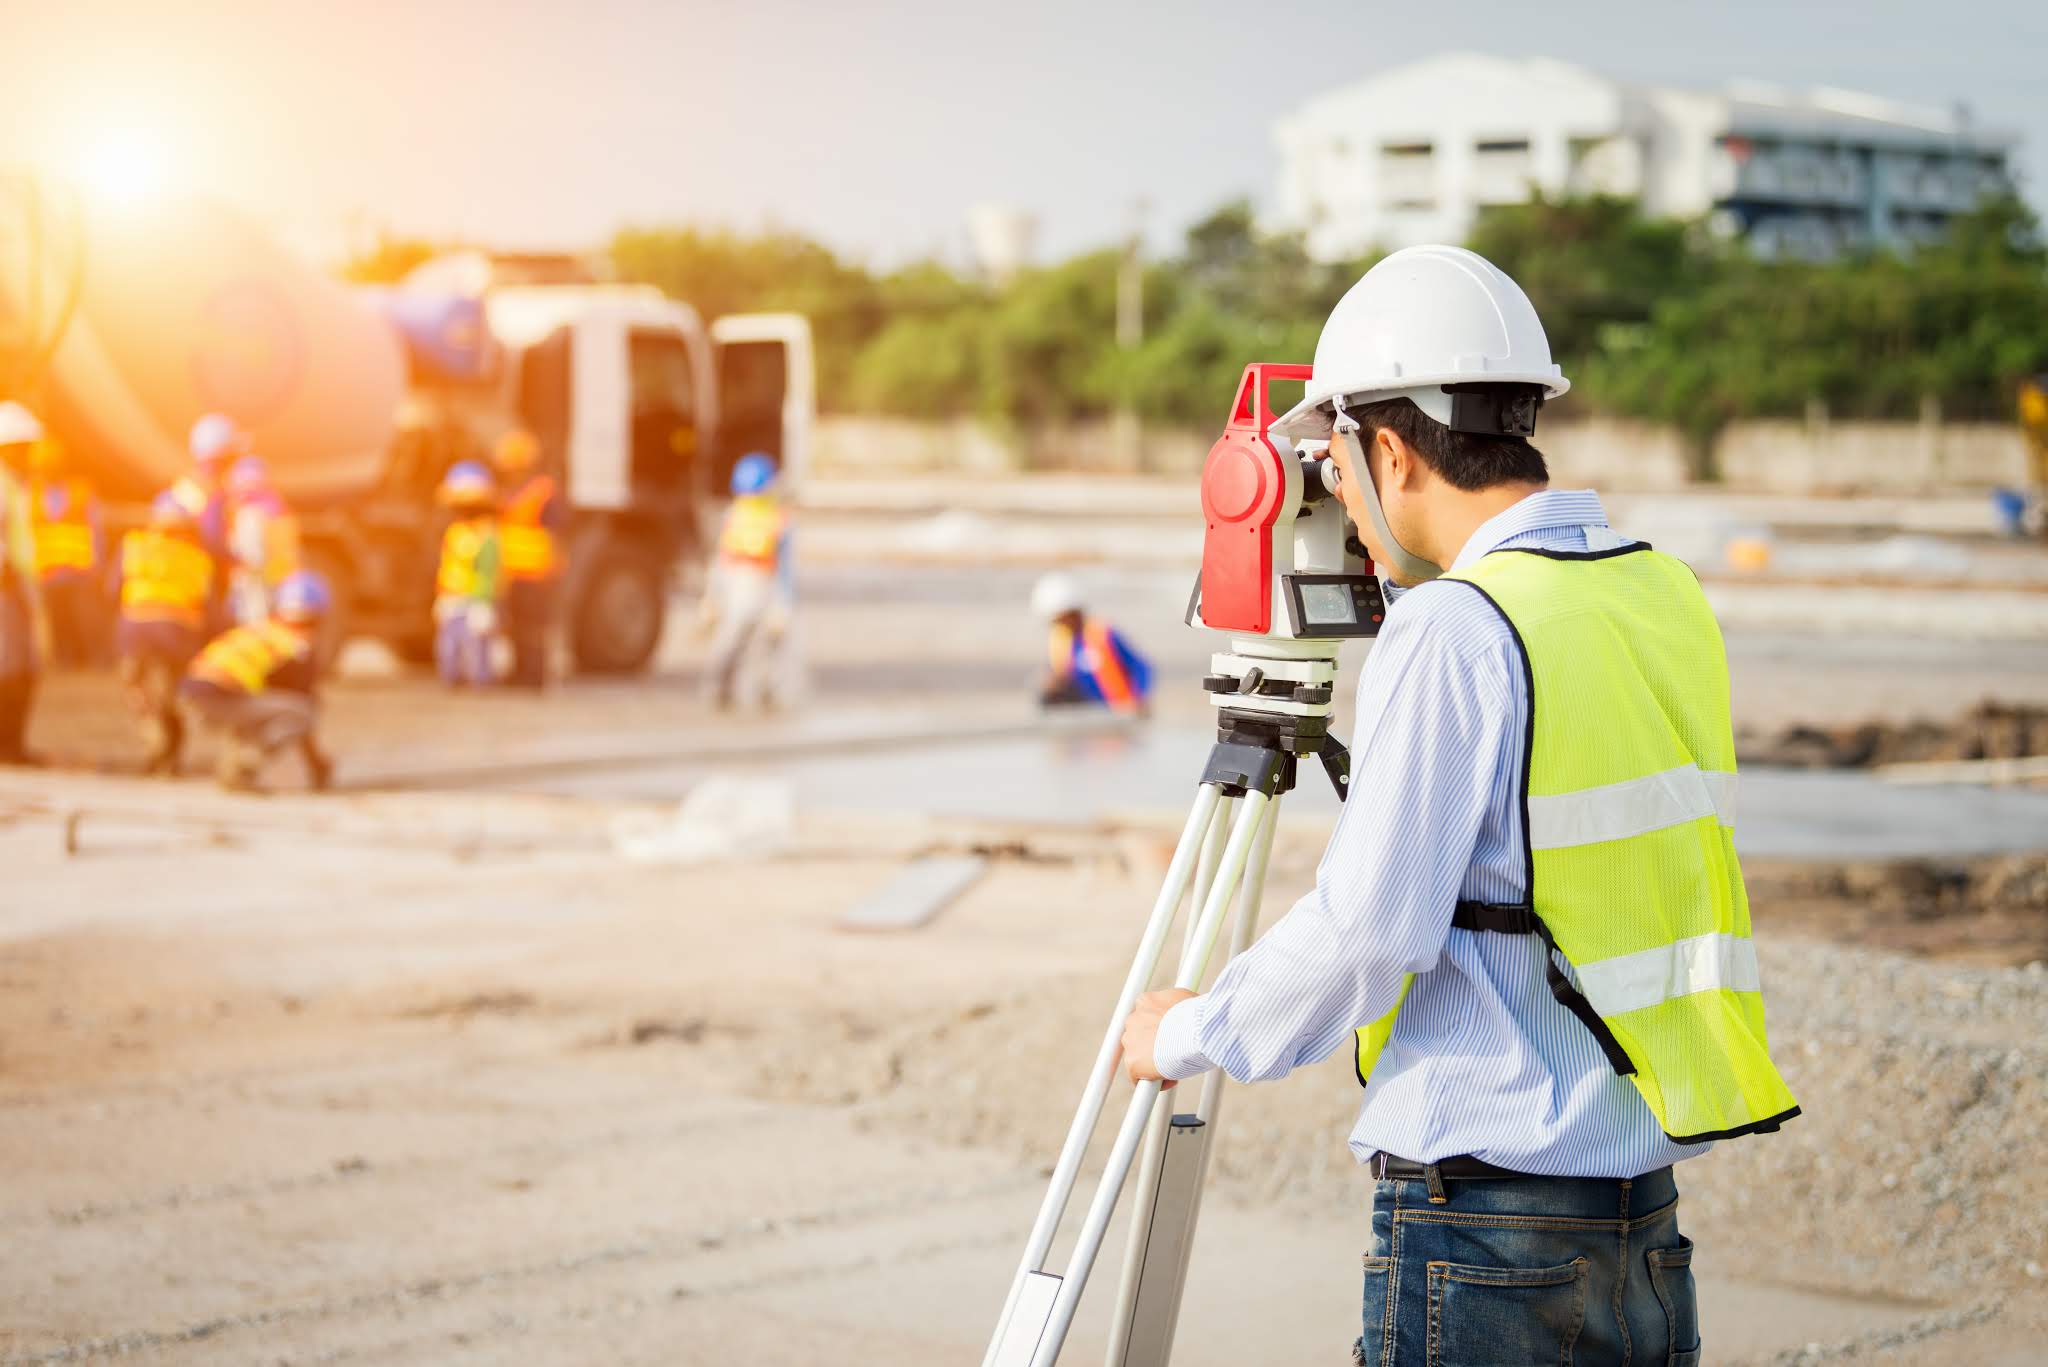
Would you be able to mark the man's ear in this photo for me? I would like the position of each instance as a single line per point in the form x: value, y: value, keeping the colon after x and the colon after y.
x: 1403, y: 470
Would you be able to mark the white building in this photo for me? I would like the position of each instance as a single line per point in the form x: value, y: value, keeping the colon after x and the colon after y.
x: 1414, y: 154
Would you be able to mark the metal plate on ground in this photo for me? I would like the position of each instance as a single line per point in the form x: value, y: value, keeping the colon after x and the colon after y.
x: 921, y: 891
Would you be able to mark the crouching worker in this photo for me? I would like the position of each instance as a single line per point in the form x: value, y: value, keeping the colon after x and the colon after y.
x: 1088, y: 662
x: 256, y: 685
x: 167, y: 594
x: 750, y: 601
x: 466, y: 586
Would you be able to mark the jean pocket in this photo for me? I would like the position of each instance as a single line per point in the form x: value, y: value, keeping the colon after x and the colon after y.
x: 1371, y: 1349
x: 1671, y: 1277
x: 1485, y: 1316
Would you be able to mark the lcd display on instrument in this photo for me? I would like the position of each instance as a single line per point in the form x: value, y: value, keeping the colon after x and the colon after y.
x: 1327, y: 605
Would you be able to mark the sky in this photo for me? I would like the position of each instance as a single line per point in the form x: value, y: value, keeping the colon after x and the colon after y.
x: 869, y: 125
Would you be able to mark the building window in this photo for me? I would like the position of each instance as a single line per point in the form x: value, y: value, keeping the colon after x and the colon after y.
x: 1407, y: 171
x: 1501, y: 170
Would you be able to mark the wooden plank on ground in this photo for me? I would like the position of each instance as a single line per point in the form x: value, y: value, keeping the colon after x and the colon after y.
x: 922, y: 890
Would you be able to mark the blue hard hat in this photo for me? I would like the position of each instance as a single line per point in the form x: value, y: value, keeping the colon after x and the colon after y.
x: 753, y: 473
x: 303, y: 597
x: 467, y: 481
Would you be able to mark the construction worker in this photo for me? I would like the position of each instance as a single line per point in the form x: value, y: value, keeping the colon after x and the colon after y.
x: 216, y: 442
x: 1529, y: 925
x: 258, y: 685
x: 168, y: 596
x: 70, y: 547
x: 2033, y: 501
x: 531, y: 522
x: 20, y: 660
x: 262, y: 539
x: 467, y: 583
x: 1088, y: 661
x: 749, y: 602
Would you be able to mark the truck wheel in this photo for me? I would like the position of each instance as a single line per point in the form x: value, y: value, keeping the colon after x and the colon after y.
x: 616, y: 622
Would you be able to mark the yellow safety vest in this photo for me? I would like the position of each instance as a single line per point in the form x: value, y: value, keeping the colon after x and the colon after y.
x: 63, y: 543
x: 462, y: 556
x: 527, y: 544
x: 753, y: 532
x: 243, y: 659
x: 165, y: 578
x: 1628, y: 779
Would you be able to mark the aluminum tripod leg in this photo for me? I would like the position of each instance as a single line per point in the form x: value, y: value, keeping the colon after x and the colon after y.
x: 1175, y: 1164
x: 1100, y: 1078
x: 1066, y: 1296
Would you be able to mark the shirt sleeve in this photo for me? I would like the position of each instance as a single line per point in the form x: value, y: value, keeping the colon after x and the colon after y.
x: 1435, y: 717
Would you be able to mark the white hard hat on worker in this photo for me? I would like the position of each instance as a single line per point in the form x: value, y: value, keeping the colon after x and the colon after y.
x: 1421, y: 319
x: 1448, y: 331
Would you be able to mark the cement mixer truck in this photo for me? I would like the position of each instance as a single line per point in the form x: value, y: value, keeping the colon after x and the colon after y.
x: 359, y: 400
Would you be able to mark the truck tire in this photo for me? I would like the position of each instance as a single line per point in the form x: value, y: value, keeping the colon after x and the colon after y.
x: 616, y: 621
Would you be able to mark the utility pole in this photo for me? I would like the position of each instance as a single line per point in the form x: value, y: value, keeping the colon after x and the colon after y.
x: 1130, y: 333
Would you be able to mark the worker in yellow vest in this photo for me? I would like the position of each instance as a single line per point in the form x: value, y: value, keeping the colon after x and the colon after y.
x: 257, y: 685
x: 69, y: 552
x: 1529, y: 928
x: 169, y: 590
x: 262, y: 539
x: 749, y: 603
x: 532, y: 520
x: 20, y: 656
x: 466, y: 585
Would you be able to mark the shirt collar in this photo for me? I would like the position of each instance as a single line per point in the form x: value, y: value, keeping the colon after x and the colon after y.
x: 1540, y: 511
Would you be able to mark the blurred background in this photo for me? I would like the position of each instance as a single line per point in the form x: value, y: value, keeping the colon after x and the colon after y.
x: 695, y: 949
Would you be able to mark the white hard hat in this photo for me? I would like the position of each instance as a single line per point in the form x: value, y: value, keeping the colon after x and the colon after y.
x: 1054, y: 596
x: 214, y: 437
x: 18, y: 426
x: 1423, y: 318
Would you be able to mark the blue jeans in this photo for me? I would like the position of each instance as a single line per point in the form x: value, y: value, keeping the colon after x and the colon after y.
x: 1552, y: 1270
x: 463, y: 656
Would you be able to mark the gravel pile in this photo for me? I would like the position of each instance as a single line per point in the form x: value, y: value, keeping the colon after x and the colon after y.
x: 1913, y: 1170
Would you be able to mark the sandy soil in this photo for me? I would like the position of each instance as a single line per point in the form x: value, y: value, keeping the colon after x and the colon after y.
x: 405, y: 1079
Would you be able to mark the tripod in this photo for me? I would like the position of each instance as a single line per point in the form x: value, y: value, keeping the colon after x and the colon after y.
x: 1273, y: 701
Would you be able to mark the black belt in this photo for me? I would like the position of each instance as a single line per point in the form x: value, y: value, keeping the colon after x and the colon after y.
x: 1461, y: 1168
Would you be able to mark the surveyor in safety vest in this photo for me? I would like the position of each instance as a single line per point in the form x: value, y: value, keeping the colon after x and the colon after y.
x: 749, y: 603
x: 1529, y: 927
x: 532, y: 520
x: 467, y: 581
x: 70, y: 555
x: 1088, y: 661
x: 20, y: 651
x: 257, y: 686
x: 168, y: 598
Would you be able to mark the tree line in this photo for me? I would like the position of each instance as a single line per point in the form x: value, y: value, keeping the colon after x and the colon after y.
x: 1652, y: 318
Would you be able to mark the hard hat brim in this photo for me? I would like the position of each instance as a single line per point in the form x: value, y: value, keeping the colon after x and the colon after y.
x: 1312, y: 418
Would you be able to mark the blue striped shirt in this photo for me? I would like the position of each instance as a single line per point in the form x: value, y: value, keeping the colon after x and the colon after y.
x: 1482, y: 1059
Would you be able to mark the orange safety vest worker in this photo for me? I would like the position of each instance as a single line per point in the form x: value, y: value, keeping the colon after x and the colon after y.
x: 165, y: 578
x: 526, y: 545
x: 1099, y: 662
x: 64, y: 539
x: 243, y: 659
x: 754, y: 528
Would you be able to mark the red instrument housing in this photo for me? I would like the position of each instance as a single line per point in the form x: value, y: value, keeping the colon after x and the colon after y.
x: 1244, y: 483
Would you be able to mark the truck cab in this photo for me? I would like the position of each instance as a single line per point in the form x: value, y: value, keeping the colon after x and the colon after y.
x: 640, y: 410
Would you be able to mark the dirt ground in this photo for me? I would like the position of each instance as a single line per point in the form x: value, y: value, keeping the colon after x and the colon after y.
x: 400, y: 1078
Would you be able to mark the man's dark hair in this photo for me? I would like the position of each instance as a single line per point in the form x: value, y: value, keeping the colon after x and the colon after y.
x: 1466, y: 460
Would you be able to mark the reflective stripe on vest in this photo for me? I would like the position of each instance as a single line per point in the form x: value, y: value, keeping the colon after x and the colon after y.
x: 242, y: 660
x: 1107, y: 666
x: 753, y: 531
x: 63, y: 539
x: 462, y: 549
x: 525, y: 542
x: 164, y: 578
x: 1628, y: 778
